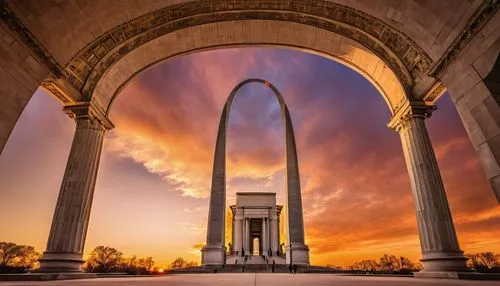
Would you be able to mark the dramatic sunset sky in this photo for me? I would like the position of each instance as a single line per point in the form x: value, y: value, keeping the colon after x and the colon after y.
x: 151, y: 197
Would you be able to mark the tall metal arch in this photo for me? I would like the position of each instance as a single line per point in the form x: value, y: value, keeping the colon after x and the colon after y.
x: 214, y: 251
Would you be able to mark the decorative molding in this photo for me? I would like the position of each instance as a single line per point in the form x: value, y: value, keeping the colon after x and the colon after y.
x: 408, y: 110
x: 401, y: 53
x: 52, y: 88
x: 476, y: 22
x: 62, y: 90
x: 434, y: 92
x: 29, y: 40
x: 87, y: 110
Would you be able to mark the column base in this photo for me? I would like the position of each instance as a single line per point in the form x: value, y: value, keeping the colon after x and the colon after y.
x: 449, y: 265
x: 298, y: 254
x: 60, y: 262
x: 213, y: 255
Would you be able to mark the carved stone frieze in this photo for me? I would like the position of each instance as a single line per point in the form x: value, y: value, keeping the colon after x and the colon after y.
x: 433, y: 93
x: 408, y: 61
x: 404, y: 56
x: 52, y: 88
x: 480, y: 17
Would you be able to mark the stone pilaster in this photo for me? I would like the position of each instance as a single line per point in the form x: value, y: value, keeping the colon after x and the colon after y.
x: 71, y: 216
x: 442, y: 256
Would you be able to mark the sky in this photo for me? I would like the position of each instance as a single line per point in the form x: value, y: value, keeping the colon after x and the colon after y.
x: 151, y: 196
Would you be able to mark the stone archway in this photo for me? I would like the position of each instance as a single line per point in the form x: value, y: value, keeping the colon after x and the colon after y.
x: 412, y: 47
x: 214, y: 251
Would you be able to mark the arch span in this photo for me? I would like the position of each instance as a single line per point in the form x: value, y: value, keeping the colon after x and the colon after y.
x: 240, y: 33
x: 214, y: 251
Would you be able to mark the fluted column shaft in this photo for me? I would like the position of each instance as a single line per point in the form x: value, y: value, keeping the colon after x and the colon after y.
x: 438, y: 239
x: 247, y: 237
x: 264, y: 237
x: 238, y: 235
x: 274, y: 235
x: 71, y: 216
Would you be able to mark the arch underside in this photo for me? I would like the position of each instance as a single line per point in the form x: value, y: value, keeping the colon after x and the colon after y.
x: 80, y: 42
x: 250, y: 33
x: 199, y: 25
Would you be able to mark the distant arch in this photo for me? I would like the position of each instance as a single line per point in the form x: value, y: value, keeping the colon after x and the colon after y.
x: 216, y: 214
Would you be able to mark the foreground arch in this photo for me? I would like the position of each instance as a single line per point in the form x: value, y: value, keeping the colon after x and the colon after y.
x: 417, y: 50
x: 215, y: 250
x: 422, y: 45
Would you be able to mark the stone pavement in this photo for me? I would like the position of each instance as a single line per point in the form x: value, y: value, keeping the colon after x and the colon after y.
x: 253, y: 279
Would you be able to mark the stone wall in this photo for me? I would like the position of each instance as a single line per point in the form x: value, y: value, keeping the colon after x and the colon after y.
x: 20, y: 76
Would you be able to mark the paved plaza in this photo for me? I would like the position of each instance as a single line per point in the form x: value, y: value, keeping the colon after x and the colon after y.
x: 253, y: 279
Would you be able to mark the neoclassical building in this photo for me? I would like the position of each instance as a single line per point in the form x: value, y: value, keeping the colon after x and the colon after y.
x: 412, y: 51
x: 255, y: 228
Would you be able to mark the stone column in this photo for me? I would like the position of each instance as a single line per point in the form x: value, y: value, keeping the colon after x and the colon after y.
x: 264, y: 237
x: 268, y: 234
x: 274, y: 235
x: 238, y: 235
x: 442, y: 256
x: 247, y: 236
x: 71, y: 216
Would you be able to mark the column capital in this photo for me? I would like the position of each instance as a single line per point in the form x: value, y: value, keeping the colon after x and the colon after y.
x: 410, y: 109
x: 87, y: 110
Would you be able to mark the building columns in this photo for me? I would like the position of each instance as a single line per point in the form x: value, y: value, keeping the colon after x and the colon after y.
x: 247, y: 236
x: 274, y: 235
x: 264, y: 237
x: 442, y: 256
x: 71, y: 216
x: 238, y: 235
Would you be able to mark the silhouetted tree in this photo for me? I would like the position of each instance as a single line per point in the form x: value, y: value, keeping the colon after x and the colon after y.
x: 133, y: 265
x: 406, y: 264
x: 484, y: 261
x: 180, y: 262
x: 146, y: 264
x: 20, y: 257
x: 8, y: 252
x: 103, y: 259
x: 389, y: 263
x: 368, y: 265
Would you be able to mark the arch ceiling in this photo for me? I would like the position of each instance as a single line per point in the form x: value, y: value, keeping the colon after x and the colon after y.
x: 83, y: 41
